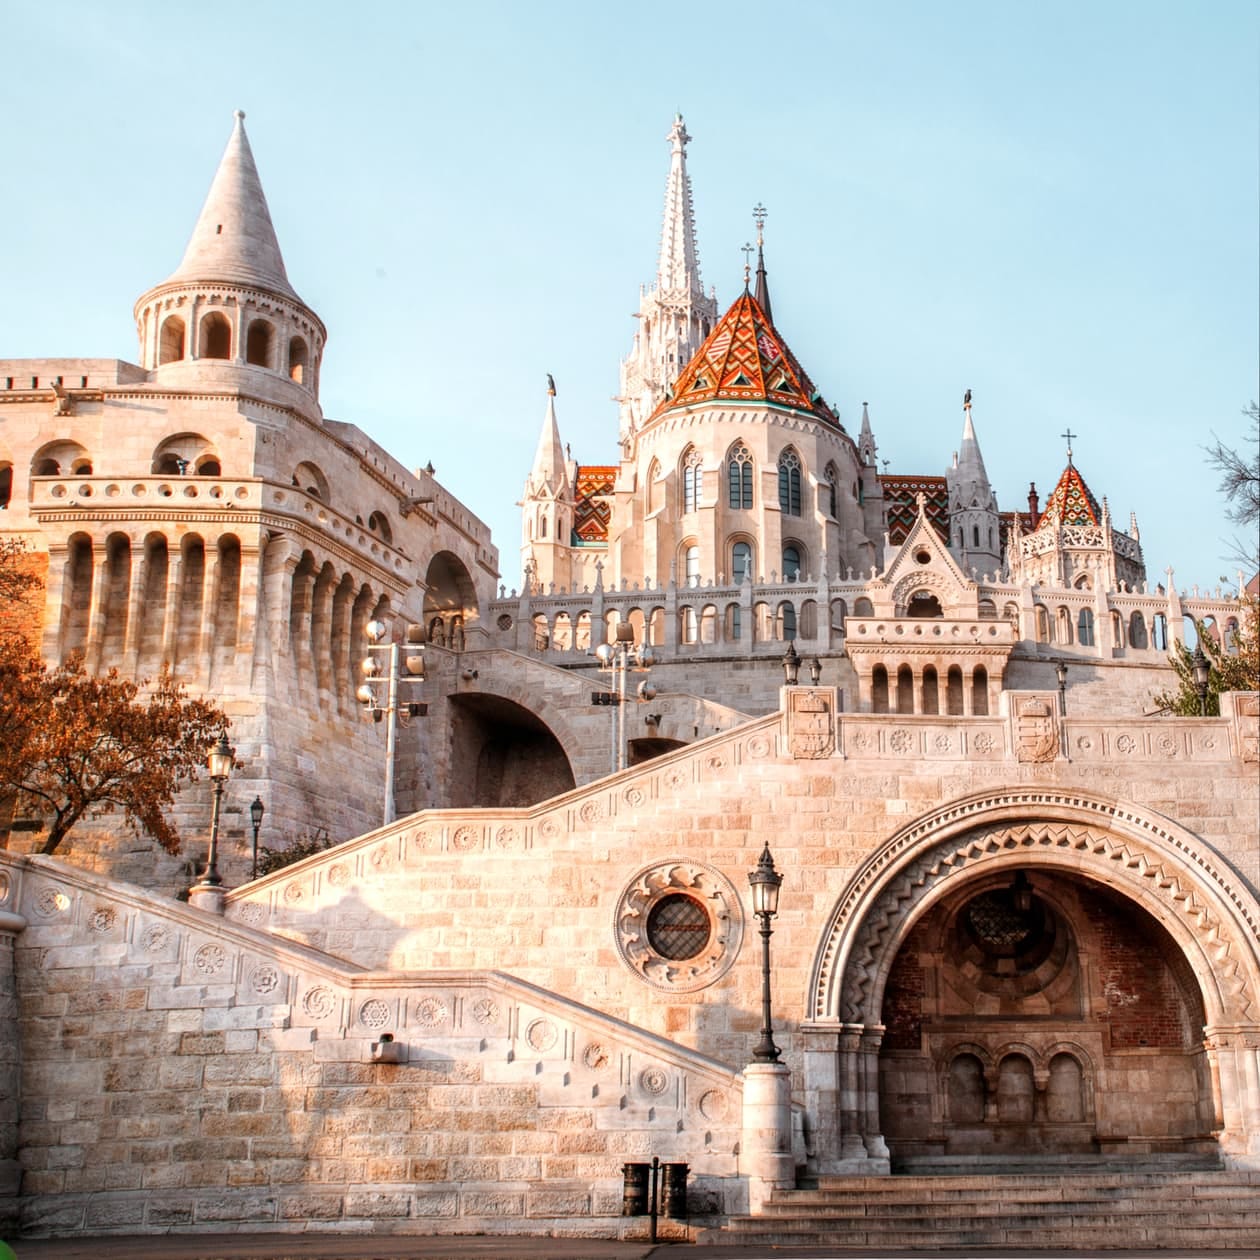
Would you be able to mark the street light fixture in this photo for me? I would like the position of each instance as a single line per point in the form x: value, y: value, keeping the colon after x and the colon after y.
x: 219, y: 763
x: 1202, y: 671
x: 765, y: 881
x: 411, y: 673
x: 256, y: 811
x: 616, y: 658
x: 1060, y: 672
x: 791, y: 664
x: 815, y: 671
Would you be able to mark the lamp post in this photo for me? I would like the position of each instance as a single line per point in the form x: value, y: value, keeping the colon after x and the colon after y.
x: 616, y: 658
x: 765, y: 881
x: 256, y: 811
x: 219, y: 763
x: 367, y: 696
x: 1202, y: 671
x: 815, y: 671
x: 791, y: 665
x: 1060, y: 672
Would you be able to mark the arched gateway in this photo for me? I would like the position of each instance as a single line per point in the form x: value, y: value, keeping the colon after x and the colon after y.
x: 1036, y: 970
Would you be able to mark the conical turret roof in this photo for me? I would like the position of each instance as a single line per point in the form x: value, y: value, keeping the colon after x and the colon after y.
x: 1072, y: 502
x: 234, y: 240
x: 744, y: 359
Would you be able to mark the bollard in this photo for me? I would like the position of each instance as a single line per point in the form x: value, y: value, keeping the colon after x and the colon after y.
x: 634, y: 1199
x: 674, y: 1191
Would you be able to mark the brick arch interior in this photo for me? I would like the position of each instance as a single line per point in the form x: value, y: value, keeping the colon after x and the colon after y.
x: 1134, y: 887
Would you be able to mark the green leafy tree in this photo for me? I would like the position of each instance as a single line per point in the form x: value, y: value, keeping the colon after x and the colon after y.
x: 76, y: 745
x: 1234, y: 667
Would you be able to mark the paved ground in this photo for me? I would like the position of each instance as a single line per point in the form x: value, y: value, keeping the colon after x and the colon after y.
x: 357, y: 1247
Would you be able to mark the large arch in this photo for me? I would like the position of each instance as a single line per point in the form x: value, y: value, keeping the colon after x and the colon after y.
x: 1143, y: 857
x: 450, y: 599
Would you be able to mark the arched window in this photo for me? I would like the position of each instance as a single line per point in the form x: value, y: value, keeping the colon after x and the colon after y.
x: 378, y: 523
x: 690, y: 625
x: 862, y: 607
x: 975, y: 536
x: 741, y: 562
x: 980, y: 692
x: 905, y: 689
x: 216, y: 337
x: 6, y: 485
x: 1064, y: 626
x: 734, y: 623
x: 653, y: 476
x: 879, y: 690
x: 1137, y: 630
x: 739, y: 477
x: 542, y: 527
x: 1085, y: 627
x: 171, y: 342
x: 1043, y: 624
x: 691, y: 565
x: 954, y: 691
x: 787, y: 621
x: 931, y: 691
x: 307, y: 476
x: 297, y: 359
x: 209, y: 466
x: 1159, y: 633
x: 258, y: 343
x: 791, y: 562
x: 692, y: 474
x: 832, y: 478
x: 987, y: 609
x: 790, y: 483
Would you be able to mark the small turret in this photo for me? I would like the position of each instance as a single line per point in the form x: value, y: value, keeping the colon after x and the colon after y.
x: 974, y: 526
x: 547, y: 503
x: 229, y: 303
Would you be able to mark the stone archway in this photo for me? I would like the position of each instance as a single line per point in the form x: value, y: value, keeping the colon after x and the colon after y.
x: 1142, y: 858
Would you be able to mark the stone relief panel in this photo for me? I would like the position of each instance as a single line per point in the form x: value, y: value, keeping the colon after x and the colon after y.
x: 1036, y: 729
x: 678, y: 925
x: 811, y: 722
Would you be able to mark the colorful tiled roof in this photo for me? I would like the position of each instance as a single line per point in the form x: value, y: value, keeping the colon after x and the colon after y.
x: 744, y: 359
x: 593, y: 485
x: 1072, y: 501
x: 901, y: 510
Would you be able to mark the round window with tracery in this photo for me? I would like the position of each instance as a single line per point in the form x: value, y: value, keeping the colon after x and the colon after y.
x: 678, y: 926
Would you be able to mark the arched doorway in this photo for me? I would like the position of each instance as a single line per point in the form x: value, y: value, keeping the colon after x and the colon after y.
x: 1133, y: 932
x: 450, y: 601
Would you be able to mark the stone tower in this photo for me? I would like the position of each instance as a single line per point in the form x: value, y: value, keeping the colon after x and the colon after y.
x: 547, y: 506
x: 974, y: 526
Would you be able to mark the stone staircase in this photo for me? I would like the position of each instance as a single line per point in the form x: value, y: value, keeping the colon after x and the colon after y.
x: 1070, y: 1206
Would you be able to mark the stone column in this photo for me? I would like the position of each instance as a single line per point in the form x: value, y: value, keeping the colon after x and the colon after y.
x: 765, y: 1149
x: 876, y: 1147
x: 57, y: 590
x: 174, y: 596
x: 209, y: 610
x: 822, y: 1092
x: 852, y: 1114
x: 1248, y: 1050
x: 102, y: 576
x: 10, y: 1069
x: 135, y: 609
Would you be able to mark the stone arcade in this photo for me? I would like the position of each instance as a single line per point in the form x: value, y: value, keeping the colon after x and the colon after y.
x: 1017, y: 922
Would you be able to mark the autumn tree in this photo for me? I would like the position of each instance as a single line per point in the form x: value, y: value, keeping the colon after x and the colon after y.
x: 1233, y: 666
x: 76, y: 745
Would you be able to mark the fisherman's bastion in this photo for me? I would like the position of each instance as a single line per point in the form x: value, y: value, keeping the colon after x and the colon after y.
x: 1015, y: 953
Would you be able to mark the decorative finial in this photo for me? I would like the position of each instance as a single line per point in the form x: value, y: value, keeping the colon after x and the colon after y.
x: 759, y: 218
x: 748, y: 249
x: 967, y: 401
x: 240, y: 115
x: 551, y: 385
x: 1068, y: 436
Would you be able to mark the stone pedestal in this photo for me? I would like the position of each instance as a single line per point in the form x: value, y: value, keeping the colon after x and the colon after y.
x: 210, y: 897
x: 765, y: 1151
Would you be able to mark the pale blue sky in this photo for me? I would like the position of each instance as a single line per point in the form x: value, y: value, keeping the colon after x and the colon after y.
x: 1056, y: 205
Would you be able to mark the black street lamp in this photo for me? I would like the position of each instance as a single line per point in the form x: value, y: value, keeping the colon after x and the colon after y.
x: 219, y: 763
x: 1060, y: 672
x: 791, y: 664
x: 765, y: 881
x: 256, y: 812
x: 815, y: 671
x: 1202, y: 671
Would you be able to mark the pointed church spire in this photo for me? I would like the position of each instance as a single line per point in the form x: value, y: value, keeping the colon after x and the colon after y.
x: 763, y: 289
x: 549, y: 462
x: 678, y: 270
x: 234, y: 239
x: 867, y: 450
x: 970, y: 462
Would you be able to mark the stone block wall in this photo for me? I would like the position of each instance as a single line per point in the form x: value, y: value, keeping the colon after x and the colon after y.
x: 180, y: 1072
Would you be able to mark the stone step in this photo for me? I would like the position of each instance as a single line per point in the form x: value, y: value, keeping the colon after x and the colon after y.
x: 1042, y: 1193
x: 1181, y: 1208
x: 1026, y: 1181
x: 1215, y: 1238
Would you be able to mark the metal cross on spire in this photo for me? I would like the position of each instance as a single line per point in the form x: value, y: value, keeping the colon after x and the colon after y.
x: 1068, y: 436
x: 748, y: 250
x: 759, y: 218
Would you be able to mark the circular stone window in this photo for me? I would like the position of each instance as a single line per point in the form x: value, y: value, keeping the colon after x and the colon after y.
x: 1010, y: 942
x: 679, y: 925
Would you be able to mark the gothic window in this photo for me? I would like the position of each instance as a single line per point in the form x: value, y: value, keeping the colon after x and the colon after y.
x: 791, y: 562
x: 790, y: 483
x: 1043, y: 624
x: 734, y: 623
x: 542, y: 528
x: 653, y: 476
x: 832, y: 478
x: 1085, y: 628
x: 741, y: 562
x: 740, y: 479
x: 692, y: 473
x: 1065, y: 626
x: 690, y: 625
x: 975, y: 536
